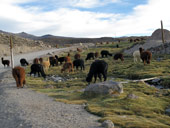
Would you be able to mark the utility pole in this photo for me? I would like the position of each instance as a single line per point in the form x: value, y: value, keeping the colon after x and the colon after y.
x: 11, y: 52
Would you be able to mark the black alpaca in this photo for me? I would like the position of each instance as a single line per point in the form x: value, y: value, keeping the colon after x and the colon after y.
x: 78, y: 63
x: 97, y: 68
x: 90, y: 55
x: 37, y: 68
x: 24, y: 62
x: 5, y: 62
x: 105, y: 53
x: 60, y: 59
x: 53, y: 61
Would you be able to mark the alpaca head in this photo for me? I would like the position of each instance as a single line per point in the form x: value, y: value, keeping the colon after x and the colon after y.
x: 141, y: 49
x: 89, y: 78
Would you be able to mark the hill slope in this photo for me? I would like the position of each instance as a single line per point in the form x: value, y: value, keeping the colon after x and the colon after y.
x: 21, y: 45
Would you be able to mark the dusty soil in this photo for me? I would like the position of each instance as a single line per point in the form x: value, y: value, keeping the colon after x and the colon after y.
x: 24, y: 108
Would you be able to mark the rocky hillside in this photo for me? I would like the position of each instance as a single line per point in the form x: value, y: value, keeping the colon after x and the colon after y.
x: 154, y: 41
x: 21, y: 45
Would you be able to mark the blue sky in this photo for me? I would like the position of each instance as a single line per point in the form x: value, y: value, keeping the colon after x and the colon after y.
x: 107, y: 6
x: 84, y: 18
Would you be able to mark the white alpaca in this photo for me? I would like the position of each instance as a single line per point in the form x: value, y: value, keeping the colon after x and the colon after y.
x: 136, y: 56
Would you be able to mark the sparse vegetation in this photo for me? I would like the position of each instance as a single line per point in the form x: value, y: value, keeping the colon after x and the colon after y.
x: 147, y: 111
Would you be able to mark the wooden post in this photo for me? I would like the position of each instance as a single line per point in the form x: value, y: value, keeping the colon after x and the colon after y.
x: 163, y: 40
x: 11, y: 52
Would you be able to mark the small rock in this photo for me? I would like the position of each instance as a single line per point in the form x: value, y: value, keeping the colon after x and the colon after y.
x: 108, y: 124
x: 132, y: 96
x: 59, y: 80
x: 167, y: 111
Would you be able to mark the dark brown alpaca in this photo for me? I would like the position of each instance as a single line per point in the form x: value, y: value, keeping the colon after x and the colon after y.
x: 96, y: 54
x: 19, y: 76
x: 67, y: 66
x: 77, y: 56
x: 146, y: 56
x: 40, y: 60
x: 119, y: 56
x: 36, y: 61
x: 5, y: 62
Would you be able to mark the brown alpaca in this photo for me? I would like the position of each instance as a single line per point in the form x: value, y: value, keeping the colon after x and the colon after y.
x: 36, y: 61
x: 19, y: 76
x: 79, y: 50
x: 40, y: 60
x: 146, y: 56
x: 96, y: 54
x: 77, y: 56
x: 67, y: 66
x: 118, y: 56
x: 67, y: 58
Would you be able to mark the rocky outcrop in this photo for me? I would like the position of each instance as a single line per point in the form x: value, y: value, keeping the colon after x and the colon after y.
x: 155, y: 41
x: 157, y: 35
x: 103, y: 88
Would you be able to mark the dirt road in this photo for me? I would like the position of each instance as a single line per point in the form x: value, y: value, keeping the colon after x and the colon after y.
x: 24, y: 108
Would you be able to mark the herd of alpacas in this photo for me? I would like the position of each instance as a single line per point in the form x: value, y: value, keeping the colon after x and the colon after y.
x: 98, y: 68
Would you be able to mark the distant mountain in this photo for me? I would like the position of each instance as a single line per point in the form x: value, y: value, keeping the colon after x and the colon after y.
x: 53, y: 40
x: 6, y: 32
x: 26, y: 35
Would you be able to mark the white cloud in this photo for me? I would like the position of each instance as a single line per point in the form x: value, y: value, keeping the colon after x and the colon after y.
x: 91, y: 3
x: 73, y: 22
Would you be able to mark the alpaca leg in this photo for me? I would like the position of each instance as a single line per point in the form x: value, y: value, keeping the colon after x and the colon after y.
x: 22, y: 82
x: 95, y: 77
x: 17, y: 82
x: 134, y: 60
x: 144, y: 62
x: 83, y: 67
x: 100, y: 77
x: 104, y: 77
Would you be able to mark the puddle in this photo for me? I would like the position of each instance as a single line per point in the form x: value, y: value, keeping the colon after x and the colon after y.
x: 56, y: 78
x: 155, y: 83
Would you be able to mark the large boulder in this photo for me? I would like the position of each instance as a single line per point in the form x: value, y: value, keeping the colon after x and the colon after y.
x: 157, y: 35
x: 103, y: 88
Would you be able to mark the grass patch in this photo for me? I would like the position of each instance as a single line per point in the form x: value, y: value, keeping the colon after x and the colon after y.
x: 147, y: 111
